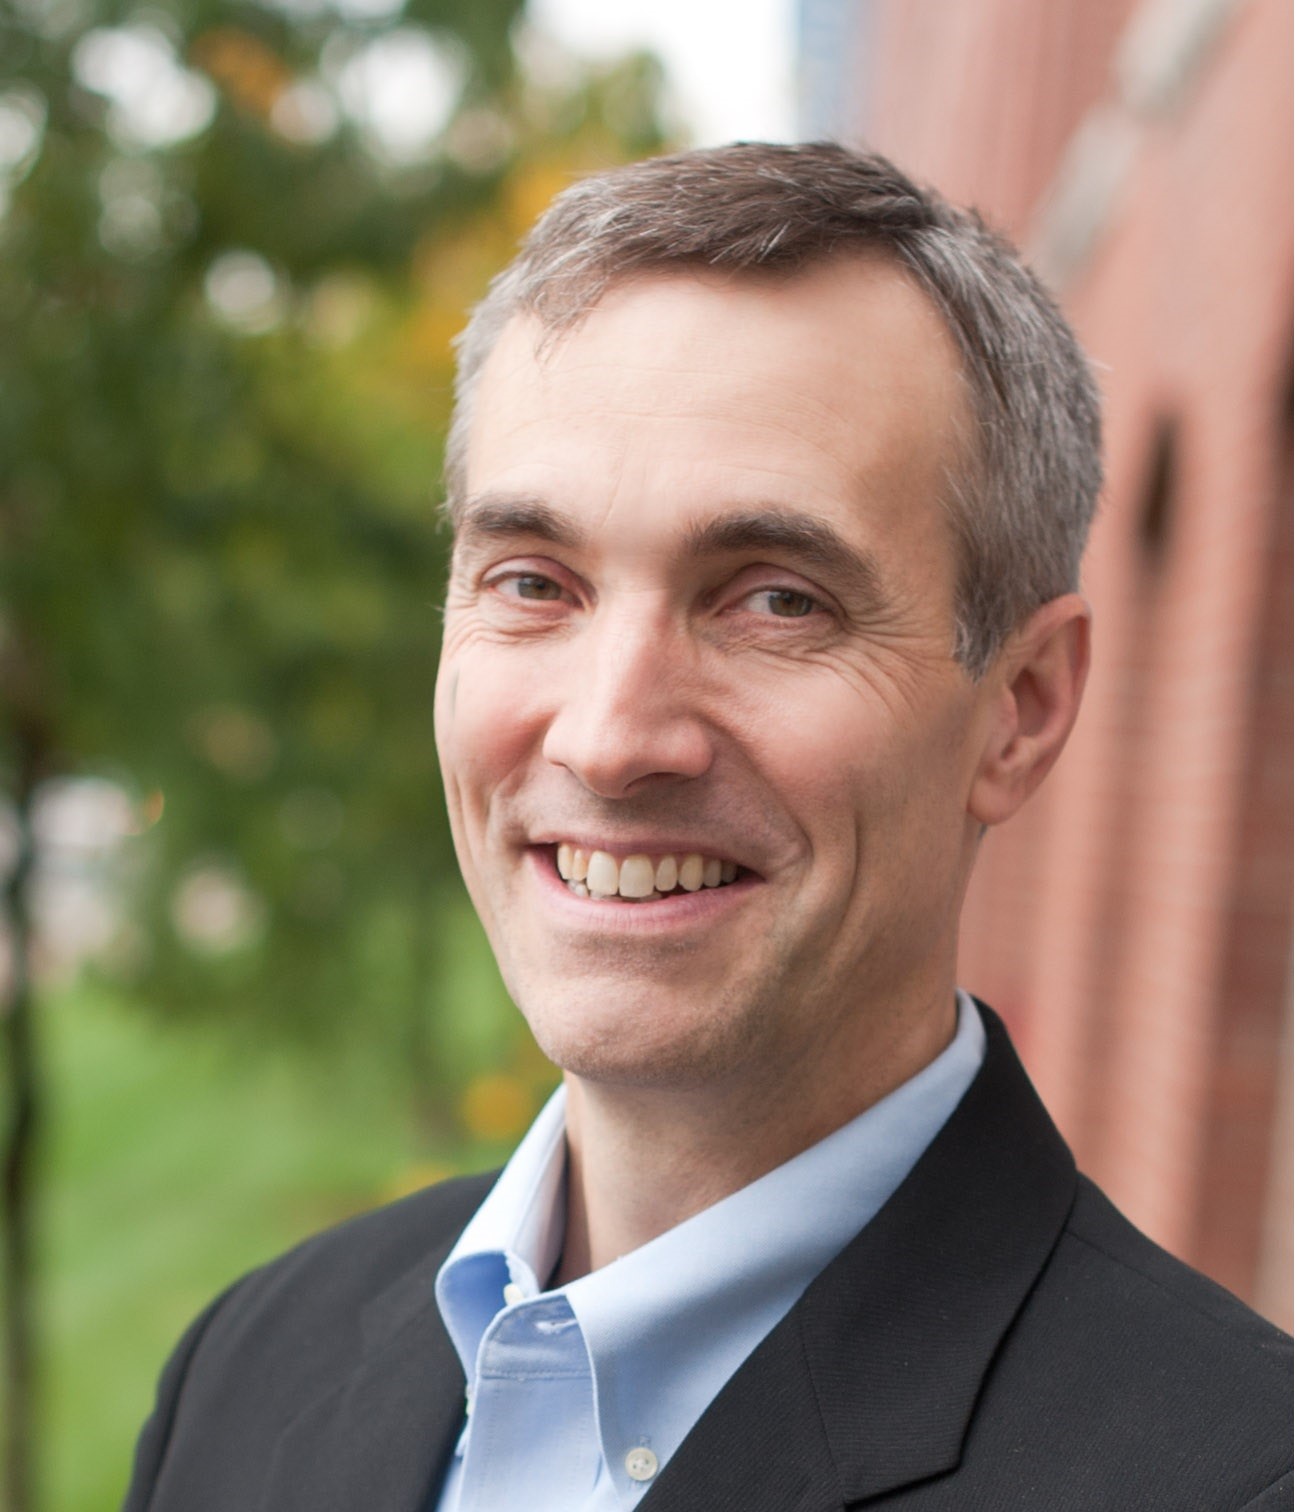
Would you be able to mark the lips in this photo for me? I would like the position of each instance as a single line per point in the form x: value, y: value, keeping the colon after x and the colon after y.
x: 641, y: 875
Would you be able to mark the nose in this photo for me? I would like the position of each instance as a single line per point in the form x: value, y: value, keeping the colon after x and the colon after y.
x: 630, y: 711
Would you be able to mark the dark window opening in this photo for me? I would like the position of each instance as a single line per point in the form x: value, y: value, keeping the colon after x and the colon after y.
x: 1155, y: 521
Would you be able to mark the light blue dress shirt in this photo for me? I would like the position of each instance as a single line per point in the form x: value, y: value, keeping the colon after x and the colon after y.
x: 578, y: 1397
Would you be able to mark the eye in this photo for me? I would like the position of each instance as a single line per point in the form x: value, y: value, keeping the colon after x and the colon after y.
x: 529, y: 585
x: 780, y: 603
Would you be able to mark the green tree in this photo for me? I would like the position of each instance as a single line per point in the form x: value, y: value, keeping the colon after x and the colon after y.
x: 229, y: 270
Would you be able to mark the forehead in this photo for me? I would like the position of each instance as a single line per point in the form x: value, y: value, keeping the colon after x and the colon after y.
x: 838, y: 391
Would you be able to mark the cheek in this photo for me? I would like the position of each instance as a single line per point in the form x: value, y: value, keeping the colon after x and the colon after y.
x: 446, y: 714
x: 813, y: 764
x: 876, y: 786
x: 484, y: 726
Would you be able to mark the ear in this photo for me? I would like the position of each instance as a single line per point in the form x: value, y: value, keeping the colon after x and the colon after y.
x: 1036, y: 688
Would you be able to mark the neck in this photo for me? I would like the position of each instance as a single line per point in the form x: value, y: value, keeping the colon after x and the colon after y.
x: 644, y: 1159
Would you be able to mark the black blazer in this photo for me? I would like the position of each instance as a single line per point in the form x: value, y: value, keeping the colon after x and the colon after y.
x: 998, y: 1338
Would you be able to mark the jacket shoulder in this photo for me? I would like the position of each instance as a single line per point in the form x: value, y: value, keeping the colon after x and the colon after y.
x: 1170, y: 1293
x: 324, y: 1298
x: 357, y: 1260
x: 289, y: 1331
x: 1131, y: 1379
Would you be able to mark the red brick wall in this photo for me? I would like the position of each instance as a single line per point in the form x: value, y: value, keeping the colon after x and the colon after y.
x: 1133, y: 923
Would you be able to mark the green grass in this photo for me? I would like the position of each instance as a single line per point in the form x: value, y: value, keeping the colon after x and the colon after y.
x: 173, y: 1162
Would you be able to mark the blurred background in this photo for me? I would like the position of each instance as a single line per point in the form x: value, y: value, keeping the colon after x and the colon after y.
x: 243, y: 993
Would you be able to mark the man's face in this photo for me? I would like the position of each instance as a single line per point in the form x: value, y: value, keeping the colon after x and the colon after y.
x: 701, y: 606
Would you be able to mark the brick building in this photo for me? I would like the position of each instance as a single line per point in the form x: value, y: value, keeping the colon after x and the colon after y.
x: 1134, y: 924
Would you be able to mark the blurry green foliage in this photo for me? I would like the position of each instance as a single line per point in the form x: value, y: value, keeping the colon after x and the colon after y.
x: 227, y: 287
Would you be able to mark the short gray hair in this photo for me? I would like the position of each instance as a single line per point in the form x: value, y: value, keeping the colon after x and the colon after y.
x: 1021, y: 507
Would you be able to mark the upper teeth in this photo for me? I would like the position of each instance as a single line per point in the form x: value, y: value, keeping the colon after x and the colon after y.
x: 599, y: 874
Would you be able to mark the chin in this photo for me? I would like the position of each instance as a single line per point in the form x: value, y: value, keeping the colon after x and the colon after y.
x: 637, y: 1039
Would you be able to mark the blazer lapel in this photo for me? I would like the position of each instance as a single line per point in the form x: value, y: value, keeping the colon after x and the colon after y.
x: 380, y: 1437
x: 761, y: 1446
x: 870, y: 1381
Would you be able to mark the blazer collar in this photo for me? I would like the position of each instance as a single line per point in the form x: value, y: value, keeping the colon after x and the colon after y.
x: 380, y: 1438
x: 871, y: 1380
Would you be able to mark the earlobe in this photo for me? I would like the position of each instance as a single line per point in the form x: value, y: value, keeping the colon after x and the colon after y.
x: 1038, y: 682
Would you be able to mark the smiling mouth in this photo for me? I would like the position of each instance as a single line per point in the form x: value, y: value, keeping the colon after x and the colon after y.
x: 640, y: 877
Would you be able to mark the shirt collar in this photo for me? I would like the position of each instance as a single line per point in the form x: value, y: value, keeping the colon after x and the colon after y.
x: 514, y: 1236
x: 667, y: 1324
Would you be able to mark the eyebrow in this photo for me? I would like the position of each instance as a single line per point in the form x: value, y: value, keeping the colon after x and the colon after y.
x: 803, y: 537
x: 766, y: 529
x: 492, y: 514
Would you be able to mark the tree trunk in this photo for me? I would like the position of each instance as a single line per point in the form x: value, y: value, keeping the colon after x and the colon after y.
x: 23, y: 1099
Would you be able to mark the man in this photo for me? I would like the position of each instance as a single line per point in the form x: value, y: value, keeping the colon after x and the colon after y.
x: 769, y: 479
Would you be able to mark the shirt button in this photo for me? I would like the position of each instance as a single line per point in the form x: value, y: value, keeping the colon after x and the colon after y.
x: 641, y: 1464
x: 512, y: 1293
